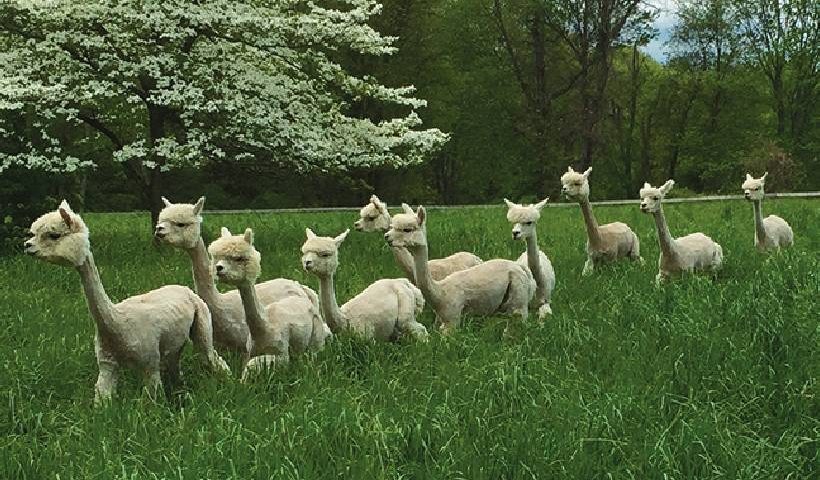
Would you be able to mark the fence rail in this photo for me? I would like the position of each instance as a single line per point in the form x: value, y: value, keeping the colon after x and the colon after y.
x: 707, y: 198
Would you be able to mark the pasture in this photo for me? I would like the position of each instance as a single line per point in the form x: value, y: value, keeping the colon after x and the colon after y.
x: 702, y: 378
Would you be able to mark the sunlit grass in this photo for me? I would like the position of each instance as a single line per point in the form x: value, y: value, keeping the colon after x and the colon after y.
x: 704, y: 378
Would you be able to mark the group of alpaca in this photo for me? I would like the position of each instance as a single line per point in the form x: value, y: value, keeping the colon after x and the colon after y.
x: 268, y: 322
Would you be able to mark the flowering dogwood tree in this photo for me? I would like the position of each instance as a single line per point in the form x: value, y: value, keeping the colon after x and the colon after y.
x: 177, y: 82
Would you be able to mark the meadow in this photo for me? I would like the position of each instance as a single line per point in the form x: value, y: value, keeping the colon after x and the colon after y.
x: 706, y: 377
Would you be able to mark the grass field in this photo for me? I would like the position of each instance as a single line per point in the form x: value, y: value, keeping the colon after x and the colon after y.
x: 703, y: 378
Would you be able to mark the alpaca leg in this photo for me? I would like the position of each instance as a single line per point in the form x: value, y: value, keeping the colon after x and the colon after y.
x: 449, y: 320
x: 106, y: 381
x: 406, y: 306
x: 589, y: 266
x: 262, y: 363
x: 170, y: 369
x: 202, y: 338
x: 153, y: 382
x: 660, y: 279
x: 635, y: 252
x: 544, y: 310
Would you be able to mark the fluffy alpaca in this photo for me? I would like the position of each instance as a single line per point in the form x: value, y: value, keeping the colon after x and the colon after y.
x: 145, y: 332
x: 290, y: 326
x: 694, y: 252
x: 374, y: 217
x: 494, y: 286
x: 771, y: 232
x: 383, y: 311
x: 179, y: 225
x: 524, y: 219
x: 605, y: 243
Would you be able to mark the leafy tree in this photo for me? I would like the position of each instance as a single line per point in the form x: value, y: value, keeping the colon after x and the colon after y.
x: 178, y: 83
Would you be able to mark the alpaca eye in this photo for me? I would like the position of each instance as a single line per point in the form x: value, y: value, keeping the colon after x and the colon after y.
x: 324, y: 254
x: 407, y: 230
x: 527, y: 223
x: 239, y: 259
x: 181, y: 225
x: 54, y: 235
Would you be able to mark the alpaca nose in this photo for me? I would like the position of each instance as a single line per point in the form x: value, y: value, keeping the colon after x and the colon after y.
x: 358, y: 225
x: 28, y: 244
x: 159, y: 231
x: 516, y: 234
x: 308, y: 263
x: 219, y: 268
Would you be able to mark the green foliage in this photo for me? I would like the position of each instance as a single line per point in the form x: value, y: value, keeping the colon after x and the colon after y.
x: 704, y: 378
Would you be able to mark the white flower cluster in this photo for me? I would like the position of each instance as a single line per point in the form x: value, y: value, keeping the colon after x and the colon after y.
x: 176, y: 83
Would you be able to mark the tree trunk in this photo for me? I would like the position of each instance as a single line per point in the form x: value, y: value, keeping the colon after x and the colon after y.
x: 156, y: 130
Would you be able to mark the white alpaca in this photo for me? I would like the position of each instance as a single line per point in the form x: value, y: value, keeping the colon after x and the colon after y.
x: 290, y: 326
x: 374, y: 217
x: 694, y: 252
x: 494, y: 286
x: 605, y: 243
x: 384, y: 311
x: 524, y: 219
x: 179, y: 225
x: 145, y: 332
x: 771, y: 232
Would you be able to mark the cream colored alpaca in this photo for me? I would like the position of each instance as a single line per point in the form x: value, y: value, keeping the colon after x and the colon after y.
x: 494, y: 286
x: 384, y: 311
x: 694, y: 252
x: 289, y: 326
x: 605, y: 243
x: 179, y: 225
x: 374, y: 217
x: 772, y: 232
x: 524, y: 219
x: 145, y: 332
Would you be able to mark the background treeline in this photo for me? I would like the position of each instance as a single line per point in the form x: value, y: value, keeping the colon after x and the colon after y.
x: 526, y: 88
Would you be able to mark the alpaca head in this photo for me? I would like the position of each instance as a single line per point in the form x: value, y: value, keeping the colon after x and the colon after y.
x: 59, y: 237
x: 373, y: 216
x: 753, y: 187
x: 234, y: 260
x: 524, y: 218
x: 575, y: 185
x: 408, y: 229
x: 179, y: 223
x: 651, y: 197
x: 320, y: 255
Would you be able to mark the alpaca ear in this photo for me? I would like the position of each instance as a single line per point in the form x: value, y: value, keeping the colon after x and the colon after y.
x: 667, y: 186
x: 374, y: 199
x: 541, y: 204
x: 341, y: 237
x: 763, y: 178
x: 380, y: 206
x: 248, y: 236
x: 65, y: 213
x: 749, y: 177
x: 421, y: 215
x: 570, y: 169
x: 509, y: 203
x: 646, y: 185
x: 199, y: 205
x: 225, y: 232
x: 309, y: 233
x: 586, y: 174
x: 165, y: 201
x: 407, y: 209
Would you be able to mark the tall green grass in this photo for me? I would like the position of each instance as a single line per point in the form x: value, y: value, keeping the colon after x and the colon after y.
x: 703, y: 378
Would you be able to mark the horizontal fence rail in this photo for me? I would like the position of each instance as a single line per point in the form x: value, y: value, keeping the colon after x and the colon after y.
x: 707, y: 198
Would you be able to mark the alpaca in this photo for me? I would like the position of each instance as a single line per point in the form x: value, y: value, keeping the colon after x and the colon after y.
x: 179, y: 225
x: 605, y: 243
x: 524, y: 219
x: 694, y: 252
x: 494, y: 286
x: 383, y: 311
x: 146, y: 332
x: 771, y: 232
x: 289, y: 326
x: 375, y: 217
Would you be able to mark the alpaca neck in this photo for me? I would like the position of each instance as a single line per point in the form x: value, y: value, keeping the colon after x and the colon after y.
x: 327, y: 301
x: 406, y: 262
x: 254, y: 313
x: 203, y: 280
x: 424, y: 280
x: 665, y: 240
x: 100, y: 306
x: 589, y: 221
x: 760, y: 231
x: 534, y: 256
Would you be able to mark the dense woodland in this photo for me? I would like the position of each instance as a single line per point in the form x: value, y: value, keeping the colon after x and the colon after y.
x: 523, y: 88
